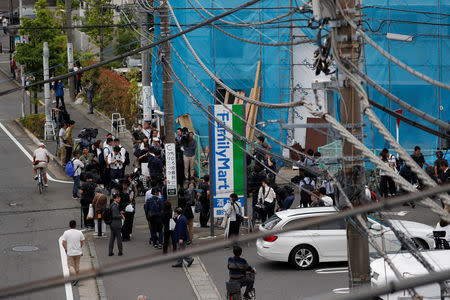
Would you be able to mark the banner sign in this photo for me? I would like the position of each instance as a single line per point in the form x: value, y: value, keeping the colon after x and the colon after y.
x: 227, y: 164
x: 171, y: 169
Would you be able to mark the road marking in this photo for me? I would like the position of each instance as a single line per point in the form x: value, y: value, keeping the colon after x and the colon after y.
x: 27, y: 154
x: 341, y: 291
x: 332, y: 270
x: 65, y: 267
x: 398, y: 213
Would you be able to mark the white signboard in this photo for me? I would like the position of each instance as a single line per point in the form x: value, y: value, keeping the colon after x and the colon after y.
x: 171, y: 169
x: 147, y: 93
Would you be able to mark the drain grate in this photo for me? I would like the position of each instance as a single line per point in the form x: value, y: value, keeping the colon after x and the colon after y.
x: 25, y: 248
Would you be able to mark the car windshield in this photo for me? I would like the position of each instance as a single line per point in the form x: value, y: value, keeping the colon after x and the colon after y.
x: 271, y: 222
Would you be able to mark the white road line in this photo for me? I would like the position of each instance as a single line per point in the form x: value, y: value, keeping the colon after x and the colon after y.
x: 341, y: 291
x: 27, y: 154
x: 332, y: 270
x: 65, y: 268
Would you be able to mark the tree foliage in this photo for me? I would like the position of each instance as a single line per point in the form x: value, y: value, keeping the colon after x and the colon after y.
x: 30, y: 54
x: 98, y: 16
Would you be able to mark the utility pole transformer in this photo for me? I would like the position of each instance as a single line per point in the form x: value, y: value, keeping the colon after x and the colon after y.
x: 169, y: 125
x: 71, y: 79
x: 354, y: 174
x: 145, y: 58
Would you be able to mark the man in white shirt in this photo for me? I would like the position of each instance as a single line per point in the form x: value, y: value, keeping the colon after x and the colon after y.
x: 77, y: 166
x: 327, y: 200
x: 115, y: 163
x: 106, y: 142
x: 40, y: 160
x: 72, y: 241
x: 147, y: 130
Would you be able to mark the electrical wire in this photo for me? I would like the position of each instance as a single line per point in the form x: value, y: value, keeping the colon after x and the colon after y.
x: 392, y: 58
x: 307, y: 40
x: 399, y: 101
x: 223, y: 85
x: 132, y: 52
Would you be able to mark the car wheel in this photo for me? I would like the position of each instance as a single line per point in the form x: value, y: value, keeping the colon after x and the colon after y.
x: 304, y: 257
x: 420, y: 244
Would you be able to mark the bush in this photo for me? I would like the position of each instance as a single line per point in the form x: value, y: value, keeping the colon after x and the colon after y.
x: 34, y: 123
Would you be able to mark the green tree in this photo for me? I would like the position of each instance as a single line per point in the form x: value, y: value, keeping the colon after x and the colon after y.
x: 96, y: 17
x: 30, y: 54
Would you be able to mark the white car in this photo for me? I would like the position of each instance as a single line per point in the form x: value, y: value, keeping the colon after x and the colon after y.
x: 409, y: 267
x: 328, y: 242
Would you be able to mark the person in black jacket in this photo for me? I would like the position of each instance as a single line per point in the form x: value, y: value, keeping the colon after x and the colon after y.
x: 181, y: 237
x: 168, y: 232
x: 116, y: 226
x: 203, y: 197
x: 255, y: 180
x: 155, y: 167
x: 190, y: 197
x: 87, y: 192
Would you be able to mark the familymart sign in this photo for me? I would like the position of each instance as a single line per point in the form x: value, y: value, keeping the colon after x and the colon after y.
x: 227, y: 160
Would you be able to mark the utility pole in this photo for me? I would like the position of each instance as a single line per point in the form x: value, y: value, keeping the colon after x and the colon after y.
x: 11, y: 16
x: 101, y: 56
x: 169, y: 126
x: 49, y: 129
x: 354, y: 174
x: 71, y: 79
x: 145, y: 58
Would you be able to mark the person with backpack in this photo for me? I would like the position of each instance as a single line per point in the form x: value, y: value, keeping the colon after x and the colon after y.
x: 73, y: 169
x: 307, y: 185
x: 266, y: 198
x: 99, y: 203
x: 115, y: 223
x: 153, y: 211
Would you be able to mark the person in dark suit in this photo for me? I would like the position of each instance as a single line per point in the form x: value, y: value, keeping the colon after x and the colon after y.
x: 444, y: 177
x: 116, y: 225
x: 181, y: 237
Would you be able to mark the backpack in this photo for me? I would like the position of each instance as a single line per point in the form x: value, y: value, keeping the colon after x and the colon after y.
x: 101, y: 158
x: 127, y: 157
x: 70, y: 170
x: 152, y: 213
x: 107, y: 216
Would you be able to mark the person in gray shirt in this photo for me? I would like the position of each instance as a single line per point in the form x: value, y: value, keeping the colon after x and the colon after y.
x: 116, y: 226
x: 189, y: 147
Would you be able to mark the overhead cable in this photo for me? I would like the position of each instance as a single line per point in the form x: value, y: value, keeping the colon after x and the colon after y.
x: 408, y: 120
x: 132, y: 52
x: 303, y: 41
x: 389, y: 56
x: 399, y: 101
x: 421, y: 174
x: 136, y: 263
x: 223, y: 85
x: 290, y: 12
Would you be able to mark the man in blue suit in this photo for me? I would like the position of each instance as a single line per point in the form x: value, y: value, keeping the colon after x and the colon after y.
x: 181, y: 237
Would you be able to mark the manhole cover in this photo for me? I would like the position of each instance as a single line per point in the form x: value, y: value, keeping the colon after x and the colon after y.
x: 25, y: 248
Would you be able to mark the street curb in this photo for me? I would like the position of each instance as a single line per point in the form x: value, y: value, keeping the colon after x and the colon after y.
x: 198, y: 287
x: 37, y: 141
x: 100, y: 286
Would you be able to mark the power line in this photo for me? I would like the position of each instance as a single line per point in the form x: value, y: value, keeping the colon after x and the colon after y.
x: 132, y: 52
x: 151, y: 260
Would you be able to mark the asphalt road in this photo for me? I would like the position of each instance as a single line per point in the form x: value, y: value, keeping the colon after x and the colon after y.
x: 40, y: 230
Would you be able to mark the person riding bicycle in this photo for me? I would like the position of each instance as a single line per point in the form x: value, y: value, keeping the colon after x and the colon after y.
x: 238, y: 269
x: 40, y: 160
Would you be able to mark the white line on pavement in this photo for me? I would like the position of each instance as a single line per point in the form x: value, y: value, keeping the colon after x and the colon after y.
x: 9, y: 134
x: 65, y: 267
x: 341, y: 291
x: 332, y: 270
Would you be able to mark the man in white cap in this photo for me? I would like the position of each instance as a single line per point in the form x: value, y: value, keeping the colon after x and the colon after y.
x: 40, y: 160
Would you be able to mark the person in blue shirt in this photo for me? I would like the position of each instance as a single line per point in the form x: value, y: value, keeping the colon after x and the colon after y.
x: 153, y: 210
x: 59, y: 94
x: 238, y: 268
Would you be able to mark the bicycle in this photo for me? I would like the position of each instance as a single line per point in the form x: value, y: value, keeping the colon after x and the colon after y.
x: 40, y: 180
x: 234, y: 289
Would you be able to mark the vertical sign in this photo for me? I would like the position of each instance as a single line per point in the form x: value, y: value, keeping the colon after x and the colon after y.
x: 228, y: 172
x: 171, y: 169
x: 147, y: 93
